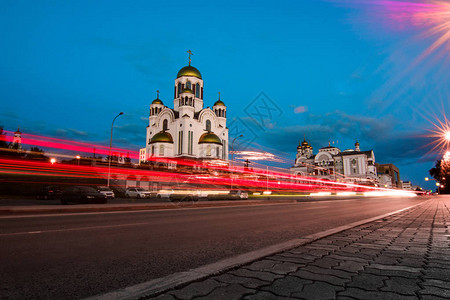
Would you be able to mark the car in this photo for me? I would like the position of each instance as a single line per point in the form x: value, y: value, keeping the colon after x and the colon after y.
x: 50, y: 192
x: 238, y: 194
x: 106, y: 191
x: 82, y: 194
x: 182, y: 195
x: 135, y: 192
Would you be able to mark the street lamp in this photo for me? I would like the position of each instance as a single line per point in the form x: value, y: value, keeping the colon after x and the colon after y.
x: 110, y: 146
x: 78, y: 159
x: 438, y: 184
x: 232, y: 144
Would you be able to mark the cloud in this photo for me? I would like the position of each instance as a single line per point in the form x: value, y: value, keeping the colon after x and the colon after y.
x: 300, y: 109
x: 386, y: 136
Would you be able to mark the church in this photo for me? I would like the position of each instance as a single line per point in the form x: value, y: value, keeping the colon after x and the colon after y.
x: 188, y: 130
x: 352, y: 165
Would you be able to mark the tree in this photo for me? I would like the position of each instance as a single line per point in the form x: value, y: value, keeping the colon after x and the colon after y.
x: 36, y: 153
x: 441, y: 172
x: 3, y: 143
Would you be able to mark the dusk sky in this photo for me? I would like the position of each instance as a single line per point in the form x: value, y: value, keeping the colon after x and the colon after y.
x: 332, y: 71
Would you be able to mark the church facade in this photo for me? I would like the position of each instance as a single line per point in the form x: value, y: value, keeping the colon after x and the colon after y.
x: 188, y: 130
x: 333, y: 164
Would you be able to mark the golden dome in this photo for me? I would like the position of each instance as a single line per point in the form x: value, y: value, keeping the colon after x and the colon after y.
x: 157, y: 101
x: 189, y: 71
x: 219, y: 103
x: 209, y: 137
x: 162, y: 137
x: 187, y: 90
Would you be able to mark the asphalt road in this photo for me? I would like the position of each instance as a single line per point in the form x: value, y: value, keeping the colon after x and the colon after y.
x: 80, y: 255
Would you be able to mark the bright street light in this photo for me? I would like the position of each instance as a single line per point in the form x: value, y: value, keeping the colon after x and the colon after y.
x: 447, y: 136
x: 78, y: 158
x: 110, y: 146
x: 52, y: 160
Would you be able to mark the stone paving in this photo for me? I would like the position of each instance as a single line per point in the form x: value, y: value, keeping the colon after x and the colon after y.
x: 404, y: 256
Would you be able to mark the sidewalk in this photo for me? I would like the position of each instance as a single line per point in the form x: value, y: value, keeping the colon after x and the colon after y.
x: 404, y: 256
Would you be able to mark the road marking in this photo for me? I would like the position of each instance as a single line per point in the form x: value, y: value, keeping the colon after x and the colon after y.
x: 72, y: 229
x: 149, y: 210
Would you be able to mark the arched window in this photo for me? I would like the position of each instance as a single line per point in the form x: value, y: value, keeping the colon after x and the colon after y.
x: 188, y: 85
x: 190, y: 101
x: 165, y: 125
x: 197, y: 90
x: 179, y: 89
x: 208, y: 125
x: 217, y: 152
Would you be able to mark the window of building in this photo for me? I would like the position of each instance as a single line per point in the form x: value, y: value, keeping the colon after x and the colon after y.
x: 153, y: 150
x: 197, y: 90
x: 188, y: 85
x: 180, y: 142
x: 217, y: 152
x: 161, y: 150
x: 191, y: 142
x: 208, y: 150
x: 165, y: 125
x: 208, y: 125
x: 179, y: 89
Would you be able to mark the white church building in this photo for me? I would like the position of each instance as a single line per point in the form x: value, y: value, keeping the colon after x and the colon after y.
x: 188, y: 130
x: 331, y: 163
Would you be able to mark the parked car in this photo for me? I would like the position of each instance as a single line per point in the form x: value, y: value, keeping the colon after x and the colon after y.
x: 238, y: 194
x: 137, y: 193
x: 49, y: 192
x: 182, y: 195
x: 106, y: 191
x: 82, y: 194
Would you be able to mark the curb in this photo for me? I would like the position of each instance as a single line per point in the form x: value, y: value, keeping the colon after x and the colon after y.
x: 158, y: 286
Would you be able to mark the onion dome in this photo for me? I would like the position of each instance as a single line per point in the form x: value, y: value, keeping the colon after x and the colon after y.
x: 209, y: 137
x: 162, y: 137
x: 157, y: 100
x: 189, y: 71
x: 219, y: 103
x: 18, y: 131
x: 187, y: 90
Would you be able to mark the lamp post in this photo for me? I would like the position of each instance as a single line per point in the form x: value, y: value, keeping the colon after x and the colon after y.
x: 232, y: 145
x: 438, y: 184
x: 110, y: 146
x: 78, y: 159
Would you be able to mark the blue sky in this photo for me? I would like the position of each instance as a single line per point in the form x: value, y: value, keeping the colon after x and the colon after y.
x: 335, y: 70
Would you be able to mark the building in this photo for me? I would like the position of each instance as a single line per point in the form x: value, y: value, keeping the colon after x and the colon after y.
x: 392, y: 171
x: 188, y: 130
x: 406, y: 185
x: 333, y: 164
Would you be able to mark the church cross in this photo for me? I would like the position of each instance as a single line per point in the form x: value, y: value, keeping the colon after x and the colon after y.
x: 190, y: 53
x: 157, y: 94
x: 219, y: 95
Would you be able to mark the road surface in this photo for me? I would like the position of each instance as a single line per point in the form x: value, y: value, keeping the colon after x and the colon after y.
x: 74, y: 256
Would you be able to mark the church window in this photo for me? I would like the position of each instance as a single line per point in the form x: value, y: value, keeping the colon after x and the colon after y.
x: 180, y: 142
x: 161, y: 150
x: 165, y: 125
x: 208, y: 125
x: 190, y: 142
x: 217, y: 152
x: 153, y: 150
x: 197, y: 90
x: 179, y: 89
x: 190, y: 101
x: 188, y: 85
x: 224, y: 147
